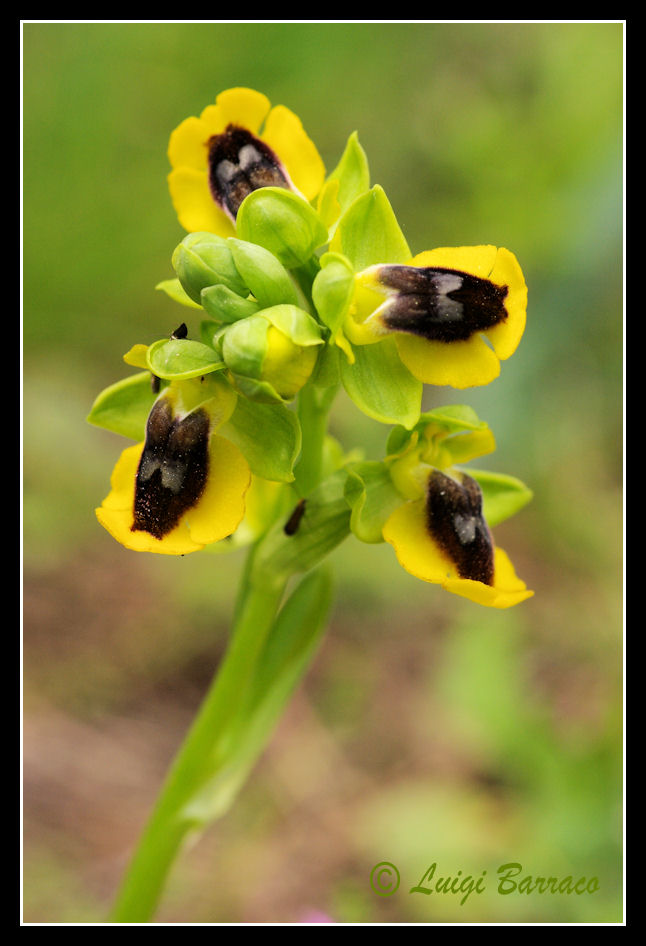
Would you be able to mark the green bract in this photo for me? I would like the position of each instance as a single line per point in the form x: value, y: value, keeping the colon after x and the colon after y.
x: 225, y: 306
x: 349, y: 179
x: 124, y: 407
x: 368, y: 232
x: 283, y: 223
x: 381, y: 386
x: 267, y: 278
x: 268, y: 435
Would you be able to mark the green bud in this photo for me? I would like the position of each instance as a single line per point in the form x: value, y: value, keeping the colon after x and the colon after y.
x: 272, y: 354
x: 283, y: 223
x: 204, y: 259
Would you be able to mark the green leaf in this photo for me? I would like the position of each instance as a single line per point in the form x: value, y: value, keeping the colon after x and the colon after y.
x: 286, y: 655
x: 368, y: 232
x: 283, y: 223
x: 372, y: 497
x: 124, y: 407
x: 268, y: 435
x: 180, y: 358
x: 502, y: 495
x: 381, y: 386
x: 174, y: 289
x: 351, y: 172
x: 266, y: 276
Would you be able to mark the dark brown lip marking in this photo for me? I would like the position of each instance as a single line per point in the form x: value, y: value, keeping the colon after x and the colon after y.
x: 444, y: 305
x: 454, y: 520
x: 294, y: 521
x: 240, y: 163
x: 181, y: 331
x: 173, y: 469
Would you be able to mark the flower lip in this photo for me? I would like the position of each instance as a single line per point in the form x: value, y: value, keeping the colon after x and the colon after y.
x: 454, y: 520
x: 440, y: 304
x: 240, y: 163
x: 173, y: 469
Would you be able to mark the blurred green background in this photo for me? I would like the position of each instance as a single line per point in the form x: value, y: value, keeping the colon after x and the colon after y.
x: 428, y: 729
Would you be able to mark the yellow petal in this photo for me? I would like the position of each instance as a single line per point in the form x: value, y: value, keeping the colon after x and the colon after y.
x: 217, y: 513
x: 476, y: 260
x: 506, y: 335
x: 417, y: 552
x: 240, y: 106
x: 195, y: 207
x: 284, y: 133
x: 188, y: 145
x: 458, y: 364
x: 136, y: 356
x: 221, y: 506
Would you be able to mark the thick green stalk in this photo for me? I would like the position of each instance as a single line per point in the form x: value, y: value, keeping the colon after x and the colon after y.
x: 313, y: 407
x: 177, y: 814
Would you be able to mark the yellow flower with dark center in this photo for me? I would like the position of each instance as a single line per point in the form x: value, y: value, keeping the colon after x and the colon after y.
x: 454, y: 312
x: 181, y: 489
x: 236, y: 146
x: 443, y: 538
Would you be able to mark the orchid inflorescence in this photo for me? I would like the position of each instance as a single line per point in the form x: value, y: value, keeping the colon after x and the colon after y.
x: 303, y: 283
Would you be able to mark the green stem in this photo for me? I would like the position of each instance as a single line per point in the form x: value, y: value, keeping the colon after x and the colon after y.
x: 192, y: 795
x: 174, y: 816
x: 313, y: 408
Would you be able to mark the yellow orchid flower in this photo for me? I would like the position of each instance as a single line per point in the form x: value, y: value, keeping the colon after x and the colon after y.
x: 236, y: 146
x: 181, y: 489
x: 443, y: 538
x: 454, y: 312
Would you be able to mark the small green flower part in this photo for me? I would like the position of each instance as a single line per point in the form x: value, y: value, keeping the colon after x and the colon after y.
x: 235, y: 147
x: 272, y: 354
x: 184, y: 487
x: 440, y: 307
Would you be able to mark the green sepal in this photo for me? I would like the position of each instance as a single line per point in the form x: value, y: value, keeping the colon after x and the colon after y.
x: 177, y: 359
x: 445, y: 436
x: 204, y: 259
x: 173, y: 288
x: 269, y: 437
x: 372, y: 497
x: 124, y: 407
x: 381, y: 386
x: 226, y: 306
x: 283, y: 223
x: 325, y: 522
x: 368, y: 232
x: 502, y: 496
x: 333, y: 289
x: 352, y: 173
x: 267, y: 278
